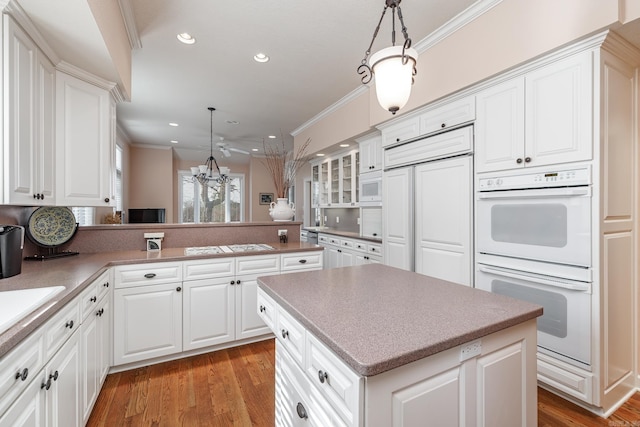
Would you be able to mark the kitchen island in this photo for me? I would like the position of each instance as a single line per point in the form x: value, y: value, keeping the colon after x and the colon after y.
x: 378, y: 346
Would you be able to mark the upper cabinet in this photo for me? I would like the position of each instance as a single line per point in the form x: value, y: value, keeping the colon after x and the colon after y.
x: 29, y: 158
x: 85, y: 147
x: 444, y: 117
x: 541, y: 118
x: 370, y: 148
x: 335, y: 181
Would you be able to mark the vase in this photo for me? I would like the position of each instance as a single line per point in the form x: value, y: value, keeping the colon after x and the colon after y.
x: 282, y: 210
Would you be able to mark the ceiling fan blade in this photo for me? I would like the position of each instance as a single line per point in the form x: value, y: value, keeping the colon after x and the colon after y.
x: 237, y: 150
x: 225, y: 152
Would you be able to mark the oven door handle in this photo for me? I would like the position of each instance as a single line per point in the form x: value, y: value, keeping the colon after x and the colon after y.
x: 572, y: 286
x: 537, y: 193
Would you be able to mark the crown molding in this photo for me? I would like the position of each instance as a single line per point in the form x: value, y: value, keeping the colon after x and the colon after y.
x: 468, y: 15
x: 83, y: 75
x: 130, y: 24
x: 18, y: 13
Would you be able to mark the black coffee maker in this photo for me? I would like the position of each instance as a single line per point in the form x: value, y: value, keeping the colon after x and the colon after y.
x: 11, y: 245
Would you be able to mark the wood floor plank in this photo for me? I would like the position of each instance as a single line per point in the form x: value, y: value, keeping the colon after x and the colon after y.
x: 236, y: 387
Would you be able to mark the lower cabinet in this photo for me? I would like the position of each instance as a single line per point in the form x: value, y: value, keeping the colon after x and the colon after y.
x: 345, y: 252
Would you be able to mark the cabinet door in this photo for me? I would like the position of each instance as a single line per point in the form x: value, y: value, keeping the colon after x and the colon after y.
x: 443, y: 219
x: 63, y: 398
x: 147, y: 323
x: 19, y: 68
x: 334, y: 186
x: 347, y: 179
x: 370, y: 154
x: 96, y: 345
x: 208, y: 312
x: 499, y: 128
x: 397, y: 218
x: 248, y: 321
x: 315, y: 186
x: 559, y: 109
x: 346, y: 258
x: 333, y: 257
x: 45, y: 139
x: 29, y: 409
x: 83, y: 143
x: 324, y: 183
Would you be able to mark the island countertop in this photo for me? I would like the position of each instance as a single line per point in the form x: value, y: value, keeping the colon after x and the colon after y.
x: 377, y: 318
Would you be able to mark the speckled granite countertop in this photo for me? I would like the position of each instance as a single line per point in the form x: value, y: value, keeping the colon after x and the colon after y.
x: 76, y: 272
x: 377, y: 318
x: 340, y: 233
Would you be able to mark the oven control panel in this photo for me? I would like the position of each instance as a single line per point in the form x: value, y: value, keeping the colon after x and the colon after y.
x: 520, y: 180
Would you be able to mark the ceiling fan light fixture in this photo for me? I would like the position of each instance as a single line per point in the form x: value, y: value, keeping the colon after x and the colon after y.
x: 393, y: 67
x: 186, y: 38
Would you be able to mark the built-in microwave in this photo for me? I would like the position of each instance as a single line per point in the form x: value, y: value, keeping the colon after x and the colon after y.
x: 371, y: 188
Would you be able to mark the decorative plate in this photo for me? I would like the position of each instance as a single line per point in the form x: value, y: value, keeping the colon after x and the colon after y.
x: 51, y: 226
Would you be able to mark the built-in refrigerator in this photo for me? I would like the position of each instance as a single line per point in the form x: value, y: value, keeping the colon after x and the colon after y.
x: 427, y: 206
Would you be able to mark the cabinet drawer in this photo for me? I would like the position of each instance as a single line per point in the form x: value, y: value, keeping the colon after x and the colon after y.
x: 449, y: 115
x: 444, y: 144
x: 337, y: 382
x: 208, y: 268
x: 61, y: 327
x: 94, y: 293
x: 291, y: 334
x: 24, y: 361
x: 360, y: 246
x: 334, y: 241
x: 259, y: 264
x: 577, y: 384
x: 127, y: 276
x: 267, y: 309
x: 374, y: 249
x: 323, y: 239
x: 346, y: 243
x: 401, y: 131
x: 306, y: 261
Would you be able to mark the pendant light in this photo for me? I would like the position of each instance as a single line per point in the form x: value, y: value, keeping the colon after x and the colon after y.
x: 204, y: 174
x: 393, y: 67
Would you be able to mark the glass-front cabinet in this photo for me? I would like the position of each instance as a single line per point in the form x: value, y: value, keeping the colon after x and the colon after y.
x: 335, y: 181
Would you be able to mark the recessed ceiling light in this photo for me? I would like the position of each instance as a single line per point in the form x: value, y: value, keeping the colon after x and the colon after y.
x: 260, y: 57
x: 254, y: 149
x: 232, y: 122
x: 173, y: 124
x: 272, y: 137
x: 344, y: 145
x: 173, y: 141
x: 186, y: 38
x: 320, y: 155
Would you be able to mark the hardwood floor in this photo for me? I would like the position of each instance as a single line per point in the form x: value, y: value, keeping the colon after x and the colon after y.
x: 235, y: 387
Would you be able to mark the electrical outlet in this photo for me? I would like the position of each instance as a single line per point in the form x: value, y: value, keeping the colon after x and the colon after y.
x: 337, y: 220
x: 470, y: 350
x: 282, y: 232
x: 325, y: 219
x: 358, y: 220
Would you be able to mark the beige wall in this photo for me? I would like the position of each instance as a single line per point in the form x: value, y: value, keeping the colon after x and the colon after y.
x: 151, y: 179
x: 511, y: 33
x: 261, y: 182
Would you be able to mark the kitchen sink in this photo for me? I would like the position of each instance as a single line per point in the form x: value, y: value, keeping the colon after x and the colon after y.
x: 14, y: 305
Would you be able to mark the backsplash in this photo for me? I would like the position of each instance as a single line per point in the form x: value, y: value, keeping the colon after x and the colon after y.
x: 342, y: 219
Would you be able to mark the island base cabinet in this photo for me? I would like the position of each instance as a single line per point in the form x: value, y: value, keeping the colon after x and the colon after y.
x: 495, y: 388
x: 29, y: 409
x: 147, y: 322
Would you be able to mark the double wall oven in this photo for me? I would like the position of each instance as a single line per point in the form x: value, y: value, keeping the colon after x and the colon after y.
x: 534, y: 243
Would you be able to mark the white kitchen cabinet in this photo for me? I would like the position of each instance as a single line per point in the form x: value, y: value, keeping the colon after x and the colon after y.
x: 248, y: 322
x: 346, y: 252
x: 147, y: 322
x: 29, y: 133
x: 84, y: 143
x: 397, y: 218
x: 443, y: 209
x: 208, y: 313
x: 96, y: 350
x: 370, y: 148
x: 400, y: 130
x: 335, y: 180
x: 541, y: 118
x: 63, y: 386
x: 28, y: 410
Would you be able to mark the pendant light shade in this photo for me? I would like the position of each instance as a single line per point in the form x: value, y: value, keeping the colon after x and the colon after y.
x: 393, y: 67
x: 393, y: 79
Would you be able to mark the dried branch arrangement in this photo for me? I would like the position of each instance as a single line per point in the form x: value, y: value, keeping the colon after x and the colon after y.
x: 283, y: 165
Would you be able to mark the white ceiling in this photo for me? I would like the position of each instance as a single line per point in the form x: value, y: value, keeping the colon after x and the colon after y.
x: 314, y: 46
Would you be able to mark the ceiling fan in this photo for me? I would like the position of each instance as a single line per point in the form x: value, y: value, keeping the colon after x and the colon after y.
x: 226, y: 150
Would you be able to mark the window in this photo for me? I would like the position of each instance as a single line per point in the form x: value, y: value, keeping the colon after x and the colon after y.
x: 216, y: 203
x: 84, y: 216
